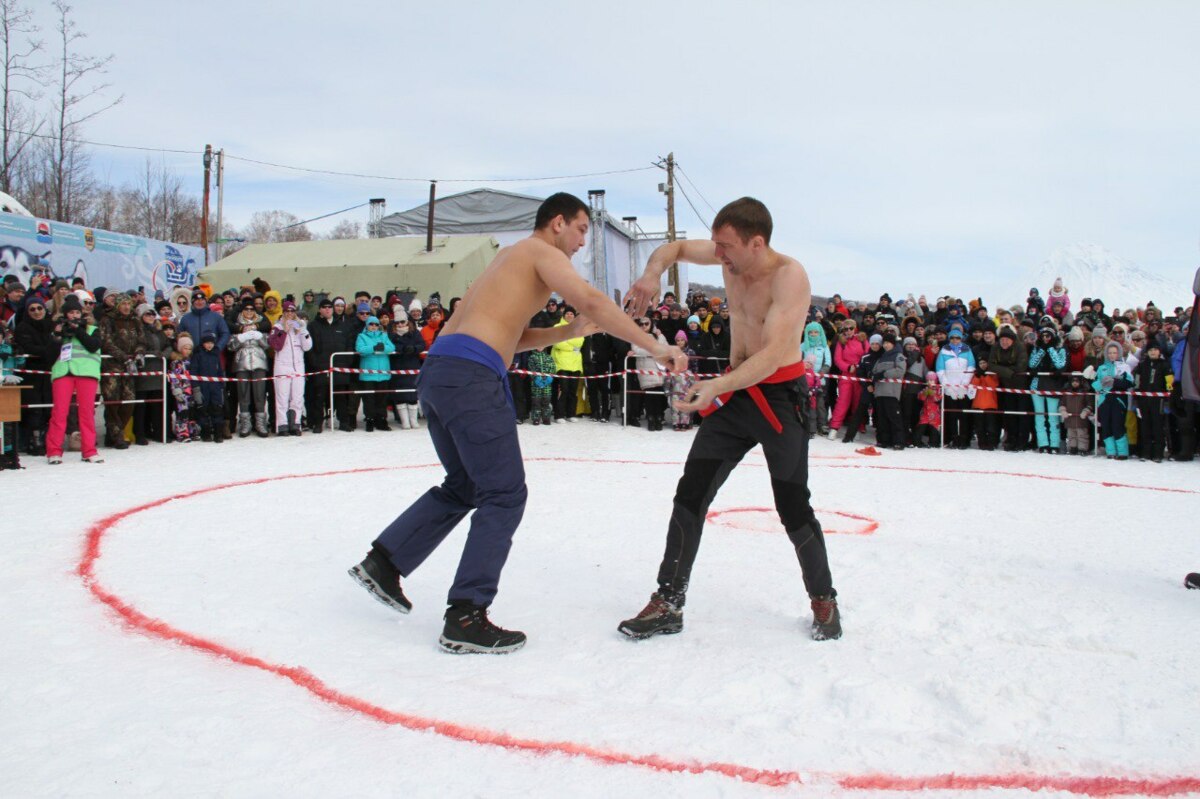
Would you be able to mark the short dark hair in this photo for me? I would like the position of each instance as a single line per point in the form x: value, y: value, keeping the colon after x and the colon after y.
x: 561, y: 204
x: 748, y: 216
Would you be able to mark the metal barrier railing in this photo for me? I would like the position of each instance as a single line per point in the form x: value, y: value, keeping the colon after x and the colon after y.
x: 625, y: 392
x: 334, y: 370
x: 160, y: 373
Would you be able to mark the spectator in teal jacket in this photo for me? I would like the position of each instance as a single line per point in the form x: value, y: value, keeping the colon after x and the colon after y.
x: 373, y: 347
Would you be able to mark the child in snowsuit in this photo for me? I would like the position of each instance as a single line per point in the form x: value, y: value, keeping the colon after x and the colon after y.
x: 930, y: 423
x: 1153, y: 374
x: 1113, y: 376
x: 542, y: 386
x: 986, y: 400
x: 210, y: 405
x: 250, y: 364
x: 183, y: 391
x: 1076, y: 410
x: 680, y: 386
x: 815, y: 349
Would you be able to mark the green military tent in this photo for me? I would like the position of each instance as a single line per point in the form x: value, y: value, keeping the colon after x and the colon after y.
x: 343, y: 266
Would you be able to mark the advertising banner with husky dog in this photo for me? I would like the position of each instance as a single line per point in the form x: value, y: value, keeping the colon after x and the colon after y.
x: 31, y: 246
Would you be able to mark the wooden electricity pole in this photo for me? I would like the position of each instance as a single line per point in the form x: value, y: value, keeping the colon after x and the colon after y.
x: 204, y: 210
x: 673, y: 274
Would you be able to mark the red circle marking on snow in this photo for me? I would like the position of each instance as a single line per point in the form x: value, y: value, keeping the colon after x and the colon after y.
x: 731, y: 518
x: 301, y: 677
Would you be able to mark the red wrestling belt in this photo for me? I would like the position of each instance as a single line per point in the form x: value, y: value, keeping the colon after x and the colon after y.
x: 784, y: 374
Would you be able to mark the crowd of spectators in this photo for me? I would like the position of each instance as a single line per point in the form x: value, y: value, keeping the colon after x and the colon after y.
x: 914, y: 374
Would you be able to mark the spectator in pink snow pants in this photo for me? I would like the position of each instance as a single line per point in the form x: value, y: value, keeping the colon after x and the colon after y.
x: 290, y: 340
x: 75, y: 353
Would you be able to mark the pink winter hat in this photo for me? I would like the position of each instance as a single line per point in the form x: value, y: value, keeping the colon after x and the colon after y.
x: 680, y: 336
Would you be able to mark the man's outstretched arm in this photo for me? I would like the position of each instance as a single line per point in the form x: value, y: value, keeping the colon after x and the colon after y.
x: 556, y: 271
x: 644, y: 291
x: 537, y: 338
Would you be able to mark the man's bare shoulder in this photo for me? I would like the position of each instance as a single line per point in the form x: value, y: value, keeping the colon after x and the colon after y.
x: 532, y: 251
x: 789, y: 273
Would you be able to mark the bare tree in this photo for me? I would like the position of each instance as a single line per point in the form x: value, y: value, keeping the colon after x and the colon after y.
x: 346, y: 230
x: 20, y: 79
x: 275, y: 226
x: 65, y: 161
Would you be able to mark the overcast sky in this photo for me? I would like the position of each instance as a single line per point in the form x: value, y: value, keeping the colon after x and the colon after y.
x: 933, y: 147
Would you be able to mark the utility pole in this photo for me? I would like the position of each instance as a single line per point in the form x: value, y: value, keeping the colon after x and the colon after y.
x: 429, y: 226
x: 204, y: 211
x: 673, y: 274
x: 220, y: 200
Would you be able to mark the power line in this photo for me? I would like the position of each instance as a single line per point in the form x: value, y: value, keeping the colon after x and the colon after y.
x: 439, y: 180
x: 697, y: 188
x: 34, y: 135
x: 311, y: 170
x: 692, y: 205
x: 322, y: 216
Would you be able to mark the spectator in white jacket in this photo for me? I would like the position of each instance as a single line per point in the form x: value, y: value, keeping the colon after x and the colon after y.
x: 955, y: 367
x: 655, y: 404
x: 290, y: 340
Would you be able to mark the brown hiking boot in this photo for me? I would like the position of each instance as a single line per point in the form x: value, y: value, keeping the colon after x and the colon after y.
x: 827, y: 622
x: 659, y: 617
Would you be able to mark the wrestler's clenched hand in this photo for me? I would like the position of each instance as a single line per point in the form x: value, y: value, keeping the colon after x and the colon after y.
x: 700, y: 397
x: 672, y: 359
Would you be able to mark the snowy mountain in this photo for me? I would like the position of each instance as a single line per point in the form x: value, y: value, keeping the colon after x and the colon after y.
x: 1089, y: 270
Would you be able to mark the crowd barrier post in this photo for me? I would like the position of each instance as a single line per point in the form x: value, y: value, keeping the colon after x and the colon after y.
x: 942, y: 426
x: 164, y: 401
x: 625, y: 393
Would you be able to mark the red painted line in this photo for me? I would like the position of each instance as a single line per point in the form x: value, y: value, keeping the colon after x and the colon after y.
x: 301, y: 677
x: 1087, y: 786
x: 1033, y: 475
x: 714, y: 516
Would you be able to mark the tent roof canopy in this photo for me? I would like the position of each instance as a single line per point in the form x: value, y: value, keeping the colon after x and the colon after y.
x: 350, y: 253
x: 474, y: 211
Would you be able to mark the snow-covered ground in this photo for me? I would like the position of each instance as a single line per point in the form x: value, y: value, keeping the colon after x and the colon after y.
x: 1000, y: 626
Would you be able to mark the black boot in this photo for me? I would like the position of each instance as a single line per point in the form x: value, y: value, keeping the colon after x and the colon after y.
x: 827, y: 622
x: 368, y: 424
x: 381, y: 424
x: 377, y: 574
x: 293, y: 424
x: 206, y: 433
x: 469, y: 630
x: 661, y: 616
x: 1192, y: 580
x: 37, y: 443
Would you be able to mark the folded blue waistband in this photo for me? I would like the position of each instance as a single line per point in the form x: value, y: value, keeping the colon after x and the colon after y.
x: 469, y: 348
x: 459, y: 345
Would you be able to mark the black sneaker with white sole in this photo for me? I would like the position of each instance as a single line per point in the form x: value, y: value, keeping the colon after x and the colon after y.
x: 661, y: 616
x: 468, y: 630
x: 377, y: 574
x: 1192, y: 580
